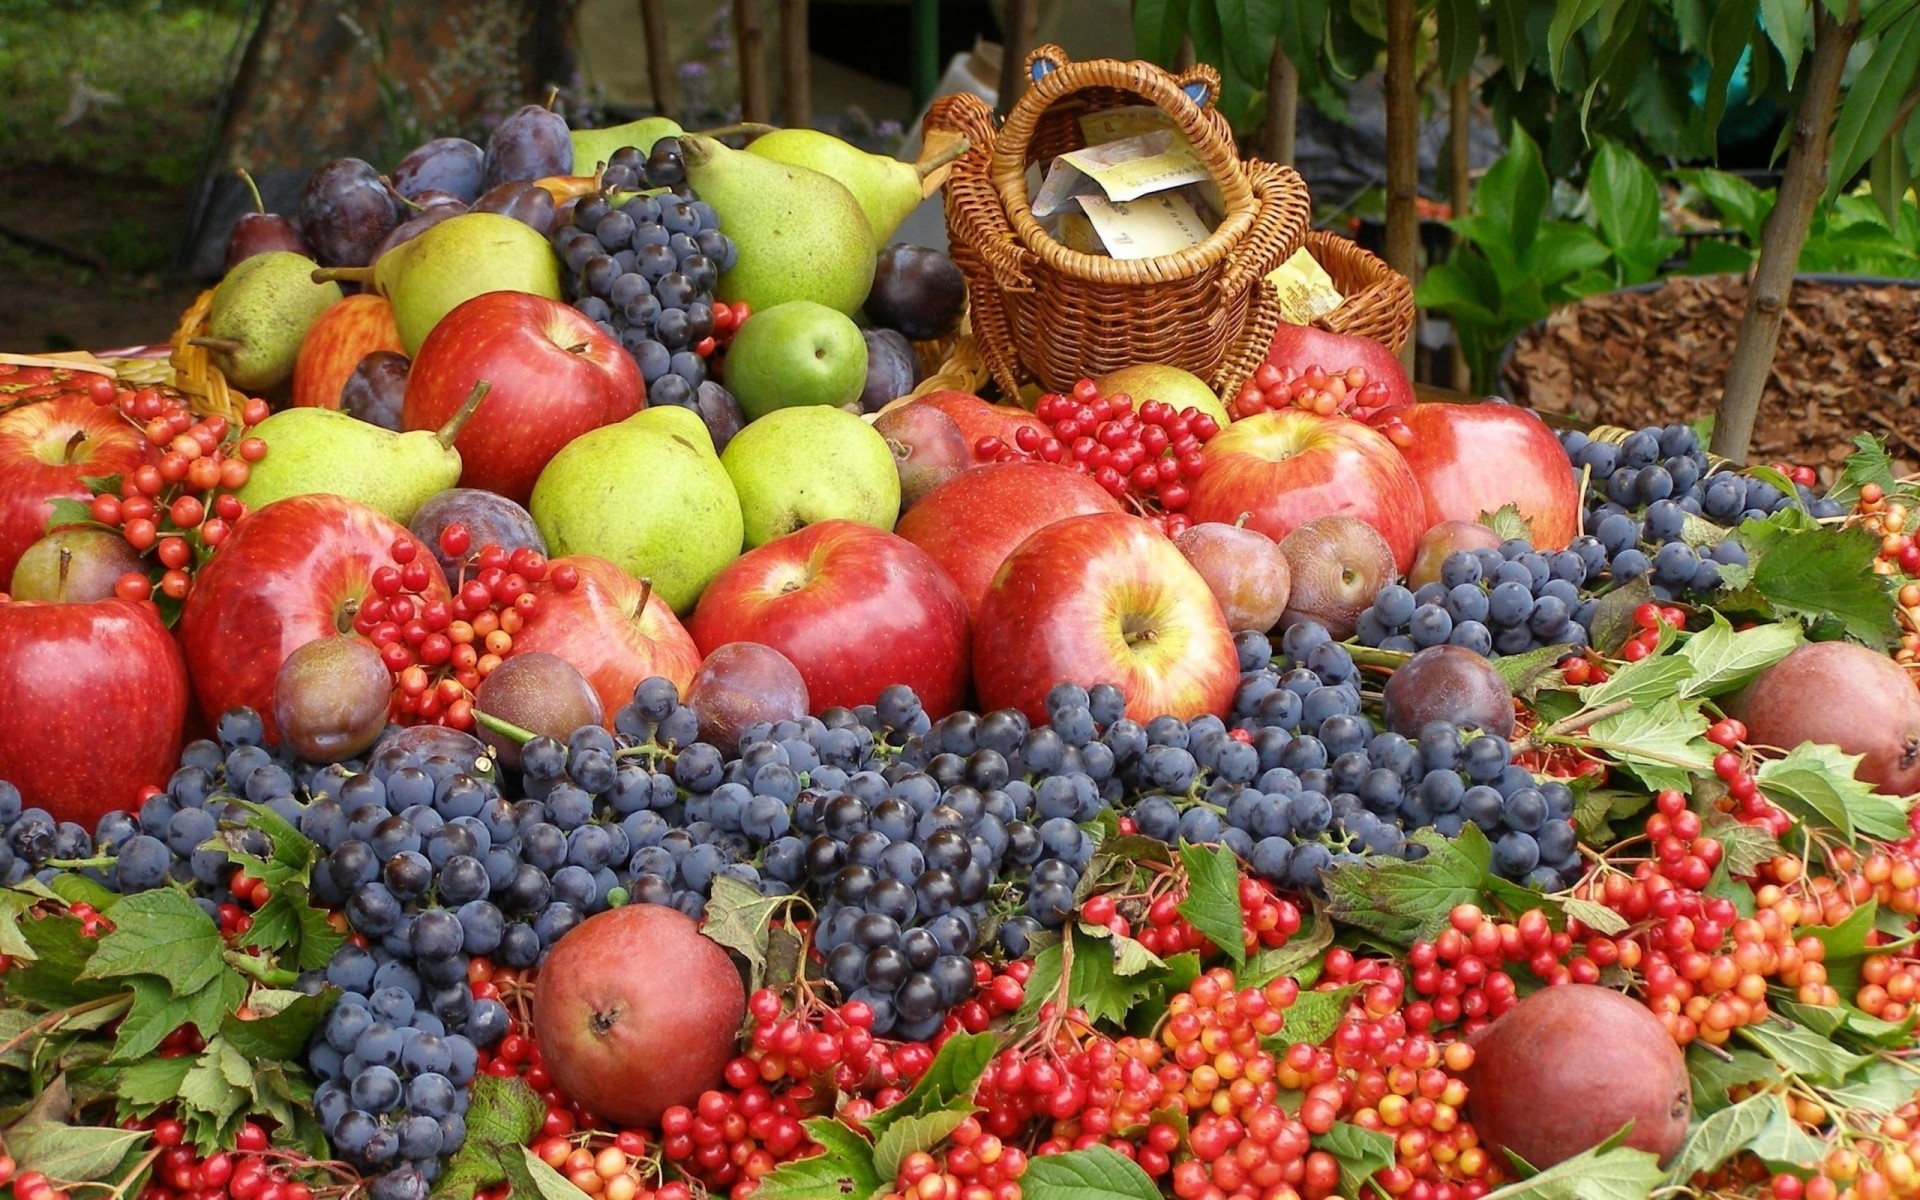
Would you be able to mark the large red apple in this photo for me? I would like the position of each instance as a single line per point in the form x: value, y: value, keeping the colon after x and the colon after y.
x: 603, y: 630
x: 856, y: 609
x: 336, y: 342
x: 1475, y: 459
x: 1298, y: 348
x: 970, y: 523
x: 637, y: 1012
x: 293, y: 571
x: 1285, y: 468
x: 977, y: 419
x: 46, y: 449
x: 1104, y: 598
x: 96, y: 698
x: 554, y: 374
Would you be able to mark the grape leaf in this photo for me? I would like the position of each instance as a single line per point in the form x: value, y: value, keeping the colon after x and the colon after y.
x: 844, y: 1169
x: 72, y: 1153
x: 68, y: 513
x: 1815, y: 783
x: 1213, y: 897
x: 163, y: 933
x: 1095, y: 1173
x: 1869, y: 463
x: 1360, y: 1153
x: 1662, y: 743
x: 948, y: 1084
x: 1302, y: 948
x: 1803, y: 1052
x: 1846, y: 947
x: 1784, y: 1144
x: 1609, y: 1171
x: 13, y: 909
x: 1312, y: 1018
x: 215, y: 1090
x: 1725, y: 660
x: 1821, y: 574
x: 1404, y: 901
x: 78, y: 889
x: 1597, y: 809
x: 914, y: 1133
x: 282, y: 1034
x: 1881, y: 1086
x: 1721, y: 1136
x: 738, y: 917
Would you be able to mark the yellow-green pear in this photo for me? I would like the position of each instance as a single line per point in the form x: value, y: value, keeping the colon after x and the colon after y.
x: 887, y: 188
x: 429, y: 276
x: 801, y: 466
x: 260, y: 313
x: 591, y: 147
x: 647, y: 493
x: 801, y: 235
x: 322, y: 450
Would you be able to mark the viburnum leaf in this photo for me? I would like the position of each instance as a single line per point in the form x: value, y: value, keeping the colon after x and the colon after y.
x: 216, y: 1089
x: 156, y: 1012
x: 1597, y: 808
x: 1213, y: 897
x: 914, y: 1133
x: 1846, y: 947
x: 1869, y: 463
x: 1725, y: 660
x: 1404, y: 901
x: 1662, y: 743
x: 530, y: 1176
x: 56, y: 976
x: 1743, y: 847
x: 843, y: 1170
x: 1609, y: 1171
x: 1641, y: 682
x: 1360, y: 1153
x: 1882, y: 1086
x: 1129, y: 956
x: 503, y: 1112
x: 13, y: 910
x: 1302, y: 948
x: 1508, y: 523
x: 1526, y: 674
x: 1312, y: 1017
x: 1803, y: 1052
x: 1597, y: 917
x: 1721, y: 1136
x: 73, y: 1153
x: 164, y: 933
x: 947, y: 1086
x: 281, y: 1034
x: 738, y: 917
x: 1095, y: 1173
x: 1820, y: 575
x: 1783, y: 1143
x: 1094, y: 984
x: 68, y: 513
x: 1715, y: 1075
x: 1612, y: 621
x: 1815, y: 783
x: 146, y: 1085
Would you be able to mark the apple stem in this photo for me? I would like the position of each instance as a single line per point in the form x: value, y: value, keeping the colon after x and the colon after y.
x: 1240, y: 522
x: 901, y: 451
x: 259, y: 205
x: 749, y: 128
x: 646, y: 593
x: 947, y: 154
x: 218, y: 345
x: 505, y: 729
x: 78, y: 439
x: 468, y: 407
x: 343, y: 275
x: 579, y: 347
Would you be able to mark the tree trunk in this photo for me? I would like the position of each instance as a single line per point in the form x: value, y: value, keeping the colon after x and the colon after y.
x: 1283, y: 106
x: 1403, y: 147
x: 1022, y: 21
x: 750, y: 44
x: 1460, y: 191
x: 1800, y: 190
x: 653, y: 21
x: 796, y: 66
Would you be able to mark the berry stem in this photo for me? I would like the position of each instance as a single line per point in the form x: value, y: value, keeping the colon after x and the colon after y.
x: 261, y: 970
x: 463, y: 414
x: 505, y: 729
x: 259, y: 205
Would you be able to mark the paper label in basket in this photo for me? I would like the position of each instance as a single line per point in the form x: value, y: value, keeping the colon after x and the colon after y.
x: 1123, y: 170
x: 1075, y: 232
x: 1114, y: 124
x: 1152, y: 226
x: 1305, y: 289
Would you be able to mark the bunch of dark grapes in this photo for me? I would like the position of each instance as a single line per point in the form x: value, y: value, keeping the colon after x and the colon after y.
x: 1492, y: 601
x: 644, y: 265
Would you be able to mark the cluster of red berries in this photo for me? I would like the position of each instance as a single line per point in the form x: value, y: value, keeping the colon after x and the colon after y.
x: 815, y: 1044
x: 976, y: 1166
x: 1330, y: 393
x: 998, y: 991
x: 180, y: 507
x: 1734, y: 767
x: 440, y: 641
x: 727, y: 320
x: 1650, y: 620
x: 1148, y: 457
x: 1461, y: 975
x: 610, y: 1166
x: 732, y: 1139
x: 250, y: 1171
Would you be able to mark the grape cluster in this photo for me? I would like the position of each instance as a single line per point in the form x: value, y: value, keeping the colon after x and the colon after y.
x: 1492, y: 601
x: 644, y: 267
x: 30, y: 838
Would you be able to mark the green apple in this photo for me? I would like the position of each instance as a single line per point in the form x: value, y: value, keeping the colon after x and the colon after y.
x: 799, y: 466
x: 797, y: 353
x: 648, y: 493
x: 1177, y: 389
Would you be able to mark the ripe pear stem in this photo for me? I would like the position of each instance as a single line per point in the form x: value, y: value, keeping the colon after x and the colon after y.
x: 218, y: 345
x: 60, y: 578
x: 751, y: 128
x: 259, y: 205
x: 463, y: 414
x: 950, y: 153
x: 343, y: 275
x: 505, y: 729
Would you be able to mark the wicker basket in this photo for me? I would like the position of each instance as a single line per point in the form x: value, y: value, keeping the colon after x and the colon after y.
x: 1378, y: 300
x: 194, y: 374
x: 1043, y: 311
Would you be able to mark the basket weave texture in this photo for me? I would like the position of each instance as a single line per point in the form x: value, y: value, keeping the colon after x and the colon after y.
x: 1378, y: 300
x: 1042, y: 311
x: 194, y: 373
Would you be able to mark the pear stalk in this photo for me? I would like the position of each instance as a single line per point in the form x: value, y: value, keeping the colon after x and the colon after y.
x: 748, y: 128
x: 463, y: 414
x: 947, y: 154
x: 218, y: 345
x: 343, y: 275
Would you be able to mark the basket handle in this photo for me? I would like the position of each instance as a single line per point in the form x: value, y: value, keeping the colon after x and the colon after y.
x: 983, y: 224
x: 1184, y: 98
x: 1264, y: 248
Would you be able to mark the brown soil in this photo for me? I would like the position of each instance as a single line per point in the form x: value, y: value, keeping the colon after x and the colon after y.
x: 1846, y: 363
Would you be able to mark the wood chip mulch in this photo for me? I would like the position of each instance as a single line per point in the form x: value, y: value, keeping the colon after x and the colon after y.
x: 1848, y: 362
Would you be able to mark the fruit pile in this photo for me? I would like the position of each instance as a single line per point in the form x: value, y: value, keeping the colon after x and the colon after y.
x: 593, y: 728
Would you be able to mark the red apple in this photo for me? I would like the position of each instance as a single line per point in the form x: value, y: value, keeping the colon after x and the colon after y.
x: 854, y: 607
x: 970, y: 523
x: 1104, y: 598
x: 977, y: 419
x: 291, y: 572
x: 1285, y: 468
x: 1297, y: 348
x: 637, y: 1012
x: 335, y: 344
x: 96, y: 698
x: 46, y: 449
x: 554, y: 375
x: 613, y: 628
x: 1475, y: 459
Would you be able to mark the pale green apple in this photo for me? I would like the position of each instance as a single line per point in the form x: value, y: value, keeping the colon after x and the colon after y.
x: 1177, y: 389
x: 797, y: 353
x: 799, y: 466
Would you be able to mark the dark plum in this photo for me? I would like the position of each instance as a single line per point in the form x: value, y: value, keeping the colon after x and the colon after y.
x: 531, y: 206
x: 452, y: 165
x: 488, y: 517
x: 720, y: 411
x: 541, y: 693
x: 531, y: 144
x: 1448, y: 683
x: 892, y: 370
x: 346, y: 212
x: 330, y: 698
x: 917, y: 291
x: 375, y: 390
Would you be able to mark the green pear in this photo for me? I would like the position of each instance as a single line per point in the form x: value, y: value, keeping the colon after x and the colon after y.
x: 796, y: 353
x: 647, y: 493
x: 260, y: 313
x: 887, y: 188
x: 429, y: 276
x: 591, y: 147
x: 322, y: 450
x: 799, y: 466
x: 801, y: 235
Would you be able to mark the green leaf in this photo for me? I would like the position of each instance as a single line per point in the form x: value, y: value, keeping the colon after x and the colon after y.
x: 67, y: 513
x: 1213, y: 897
x: 738, y: 917
x: 1869, y: 463
x: 1803, y: 1052
x: 281, y: 1034
x: 1783, y: 1143
x: 1725, y: 660
x: 1743, y: 847
x: 1203, y: 28
x: 915, y: 1133
x: 1511, y: 38
x: 1816, y: 783
x: 1096, y: 1173
x: 1159, y: 26
x: 1507, y: 522
x: 1094, y: 984
x: 1721, y: 1136
x: 1715, y: 1074
x: 156, y: 1013
x: 1873, y: 100
x: 1404, y: 901
x: 1594, y: 813
x: 1786, y: 24
x: 529, y: 1176
x: 1643, y: 682
x: 503, y: 1112
x: 13, y: 910
x: 71, y: 1153
x: 1459, y: 22
x: 1526, y: 674
x: 1302, y: 32
x: 55, y: 978
x: 1129, y: 956
x: 1846, y: 947
x: 151, y: 1082
x: 1613, y: 614
x: 1514, y: 191
x: 1882, y: 1086
x: 1568, y: 18
x: 220, y: 1082
x: 1726, y: 41
x: 1597, y: 917
x: 1312, y: 1018
x: 1625, y: 196
x: 843, y: 1170
x: 1821, y: 573
x: 949, y: 1082
x: 1609, y: 1171
x: 1249, y: 27
x: 1360, y: 1153
x: 1661, y: 743
x: 78, y: 889
x: 164, y: 933
x: 1302, y: 948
